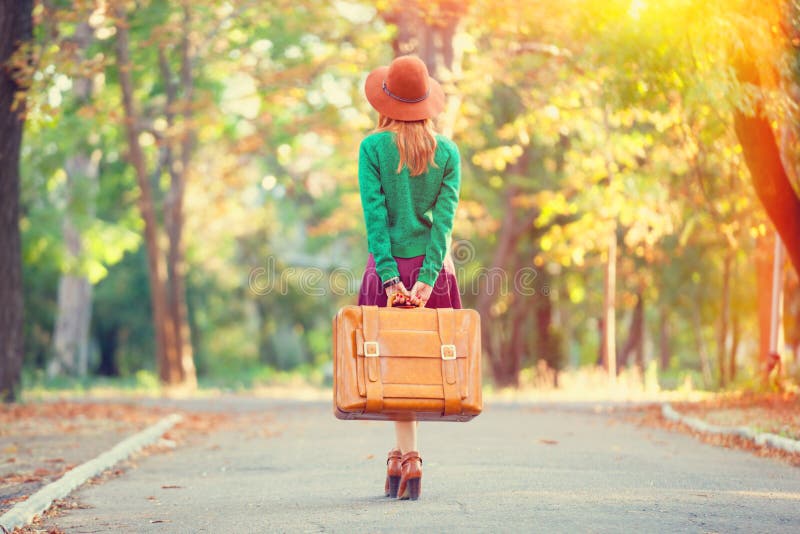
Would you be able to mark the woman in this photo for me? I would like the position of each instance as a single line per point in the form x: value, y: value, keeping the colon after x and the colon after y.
x: 409, y: 178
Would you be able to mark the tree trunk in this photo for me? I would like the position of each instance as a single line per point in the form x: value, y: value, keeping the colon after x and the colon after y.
x: 489, y: 290
x: 635, y: 342
x: 791, y: 314
x: 433, y: 43
x: 724, y: 319
x: 763, y: 158
x: 178, y: 255
x: 16, y: 26
x: 663, y: 338
x: 173, y: 209
x: 765, y: 245
x: 167, y: 355
x: 71, y: 336
x: 705, y: 361
x: 608, y: 341
x: 266, y: 354
x: 735, y: 324
x: 544, y: 325
x: 735, y: 335
x: 516, y: 343
x: 547, y: 345
x: 639, y: 345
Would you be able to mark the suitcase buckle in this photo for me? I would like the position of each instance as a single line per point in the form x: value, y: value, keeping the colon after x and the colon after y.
x: 448, y: 352
x: 371, y: 349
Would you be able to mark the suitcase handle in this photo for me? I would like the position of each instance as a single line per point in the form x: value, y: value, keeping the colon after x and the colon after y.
x: 395, y: 296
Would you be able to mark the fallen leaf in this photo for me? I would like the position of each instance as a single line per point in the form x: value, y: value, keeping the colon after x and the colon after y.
x: 160, y: 520
x: 548, y: 441
x: 171, y: 487
x: 14, y: 500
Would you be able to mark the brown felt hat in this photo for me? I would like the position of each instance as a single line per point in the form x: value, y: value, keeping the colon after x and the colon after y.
x: 404, y: 91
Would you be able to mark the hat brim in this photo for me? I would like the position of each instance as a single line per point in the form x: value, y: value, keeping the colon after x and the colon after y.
x: 402, y: 111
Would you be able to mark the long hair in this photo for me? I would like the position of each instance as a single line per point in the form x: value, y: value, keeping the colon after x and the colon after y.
x: 416, y: 142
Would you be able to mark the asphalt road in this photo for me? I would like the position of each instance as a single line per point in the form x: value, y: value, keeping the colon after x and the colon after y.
x: 540, y: 468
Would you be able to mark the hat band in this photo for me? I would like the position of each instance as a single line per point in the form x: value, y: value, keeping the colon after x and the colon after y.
x: 406, y: 100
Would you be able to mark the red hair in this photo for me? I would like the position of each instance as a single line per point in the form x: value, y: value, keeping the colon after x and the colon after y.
x: 416, y: 142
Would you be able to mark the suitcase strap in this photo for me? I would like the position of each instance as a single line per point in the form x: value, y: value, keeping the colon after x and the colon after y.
x: 369, y: 319
x: 450, y: 388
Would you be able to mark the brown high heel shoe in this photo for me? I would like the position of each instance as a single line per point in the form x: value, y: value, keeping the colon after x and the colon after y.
x: 393, y: 471
x: 411, y: 477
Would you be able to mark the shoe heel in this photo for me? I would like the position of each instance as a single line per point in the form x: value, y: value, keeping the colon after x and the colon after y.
x: 413, y: 489
x: 394, y: 485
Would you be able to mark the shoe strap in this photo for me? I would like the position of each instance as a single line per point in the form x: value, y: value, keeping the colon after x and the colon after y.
x: 394, y: 454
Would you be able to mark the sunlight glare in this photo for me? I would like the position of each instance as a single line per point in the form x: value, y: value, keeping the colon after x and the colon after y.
x: 240, y: 96
x: 635, y: 11
x: 354, y: 12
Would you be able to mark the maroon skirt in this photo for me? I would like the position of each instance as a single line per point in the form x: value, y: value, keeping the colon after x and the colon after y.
x: 445, y: 290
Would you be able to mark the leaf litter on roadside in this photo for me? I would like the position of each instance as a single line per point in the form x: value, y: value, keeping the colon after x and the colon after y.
x: 759, y: 411
x: 99, y: 424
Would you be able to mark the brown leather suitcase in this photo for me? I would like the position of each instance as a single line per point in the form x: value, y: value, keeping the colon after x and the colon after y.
x: 406, y: 364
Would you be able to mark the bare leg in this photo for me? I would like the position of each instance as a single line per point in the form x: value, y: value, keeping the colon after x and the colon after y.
x: 406, y: 435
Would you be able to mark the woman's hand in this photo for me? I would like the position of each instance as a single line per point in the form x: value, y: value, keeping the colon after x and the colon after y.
x: 420, y: 293
x: 400, y: 288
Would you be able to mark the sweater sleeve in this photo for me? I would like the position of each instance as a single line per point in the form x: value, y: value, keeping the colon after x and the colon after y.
x: 444, y: 211
x: 376, y: 218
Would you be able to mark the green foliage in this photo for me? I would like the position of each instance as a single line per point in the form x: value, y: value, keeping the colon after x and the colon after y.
x: 121, y: 316
x: 580, y: 118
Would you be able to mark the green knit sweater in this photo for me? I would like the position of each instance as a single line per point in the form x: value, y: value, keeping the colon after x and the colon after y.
x: 405, y: 215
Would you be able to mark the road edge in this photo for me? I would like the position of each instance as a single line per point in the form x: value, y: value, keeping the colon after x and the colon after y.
x: 759, y: 438
x: 23, y: 512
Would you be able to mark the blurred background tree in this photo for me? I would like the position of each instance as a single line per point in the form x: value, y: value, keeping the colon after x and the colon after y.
x: 190, y: 203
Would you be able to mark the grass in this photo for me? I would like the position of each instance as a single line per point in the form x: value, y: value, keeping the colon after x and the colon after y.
x: 587, y: 383
x: 37, y: 385
x: 144, y: 383
x: 583, y: 384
